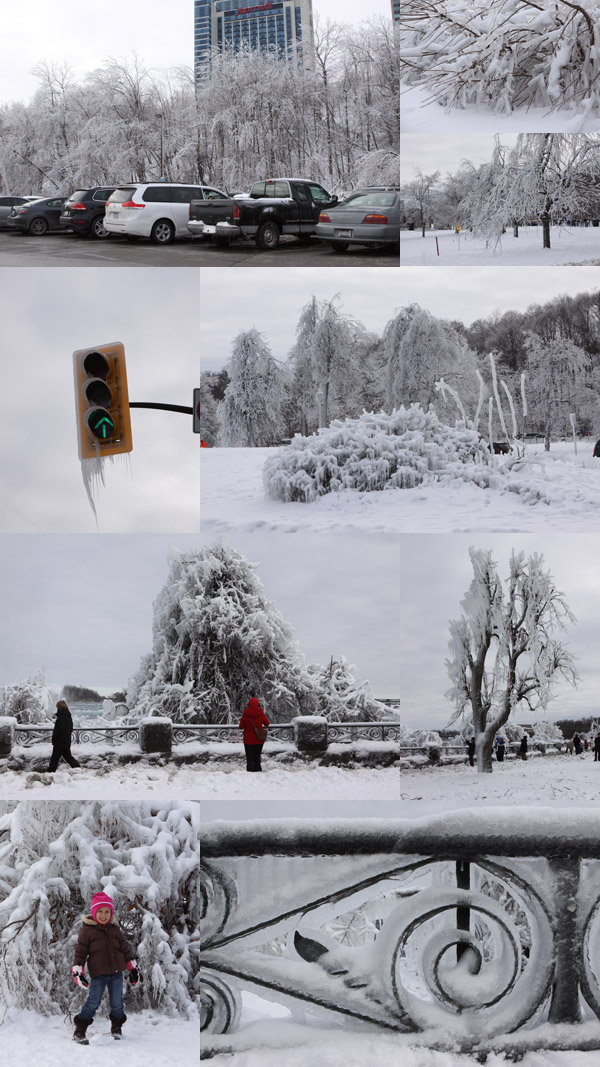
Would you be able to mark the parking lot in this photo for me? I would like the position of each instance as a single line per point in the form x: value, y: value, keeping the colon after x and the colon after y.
x: 68, y: 250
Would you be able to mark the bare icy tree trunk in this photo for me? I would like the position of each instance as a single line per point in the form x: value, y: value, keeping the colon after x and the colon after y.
x: 546, y: 229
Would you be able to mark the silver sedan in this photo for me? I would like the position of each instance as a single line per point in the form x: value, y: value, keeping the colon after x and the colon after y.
x: 367, y: 217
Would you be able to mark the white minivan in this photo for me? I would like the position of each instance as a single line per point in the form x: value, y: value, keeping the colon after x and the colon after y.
x: 159, y: 210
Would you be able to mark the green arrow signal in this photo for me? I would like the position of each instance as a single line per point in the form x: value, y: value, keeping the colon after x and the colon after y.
x: 101, y: 424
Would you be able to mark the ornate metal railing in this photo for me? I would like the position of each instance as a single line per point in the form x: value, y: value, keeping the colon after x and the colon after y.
x: 26, y: 736
x: 512, y: 748
x: 229, y: 732
x: 336, y: 732
x: 483, y: 925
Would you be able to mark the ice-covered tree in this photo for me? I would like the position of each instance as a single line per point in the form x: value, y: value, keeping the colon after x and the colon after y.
x: 53, y: 857
x: 246, y: 647
x: 209, y: 419
x: 335, y: 363
x: 429, y: 350
x: 420, y: 192
x: 251, y: 412
x: 547, y: 176
x: 304, y: 385
x: 502, y: 54
x: 503, y: 652
x: 559, y: 380
x: 343, y: 697
x: 29, y: 701
x: 168, y: 680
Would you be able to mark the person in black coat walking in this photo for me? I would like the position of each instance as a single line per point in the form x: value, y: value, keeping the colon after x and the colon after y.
x: 471, y: 751
x: 61, y: 737
x: 597, y: 748
x: 523, y: 747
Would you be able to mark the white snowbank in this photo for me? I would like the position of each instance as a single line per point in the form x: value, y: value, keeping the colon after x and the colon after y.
x: 555, y: 490
x: 576, y: 245
x: 564, y: 778
x: 114, y: 783
x: 417, y: 114
x: 149, y: 1040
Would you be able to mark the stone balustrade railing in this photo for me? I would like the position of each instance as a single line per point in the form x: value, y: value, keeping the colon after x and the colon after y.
x: 481, y: 928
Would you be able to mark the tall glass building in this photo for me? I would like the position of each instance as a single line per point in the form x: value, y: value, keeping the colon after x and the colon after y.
x: 283, y: 27
x: 396, y: 10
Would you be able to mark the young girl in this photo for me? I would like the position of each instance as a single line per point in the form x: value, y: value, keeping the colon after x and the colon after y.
x: 107, y: 953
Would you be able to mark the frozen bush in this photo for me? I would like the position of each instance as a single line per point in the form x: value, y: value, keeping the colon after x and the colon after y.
x: 374, y: 452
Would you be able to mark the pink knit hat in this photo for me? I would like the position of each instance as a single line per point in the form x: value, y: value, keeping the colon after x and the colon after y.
x: 100, y: 900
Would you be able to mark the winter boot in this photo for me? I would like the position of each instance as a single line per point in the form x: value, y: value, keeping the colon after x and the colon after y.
x: 81, y: 1026
x: 115, y: 1026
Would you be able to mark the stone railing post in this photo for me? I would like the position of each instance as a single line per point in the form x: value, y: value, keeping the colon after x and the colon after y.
x: 7, y: 734
x: 156, y: 734
x: 310, y: 733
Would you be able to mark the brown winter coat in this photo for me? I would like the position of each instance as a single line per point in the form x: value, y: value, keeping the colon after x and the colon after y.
x: 103, y: 947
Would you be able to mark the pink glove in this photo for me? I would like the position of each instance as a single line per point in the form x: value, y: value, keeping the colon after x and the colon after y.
x: 79, y: 977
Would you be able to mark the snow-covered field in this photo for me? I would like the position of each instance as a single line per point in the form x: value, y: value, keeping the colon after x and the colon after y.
x: 576, y: 245
x: 418, y: 114
x: 559, y: 779
x: 227, y: 780
x: 149, y: 1040
x: 552, y: 490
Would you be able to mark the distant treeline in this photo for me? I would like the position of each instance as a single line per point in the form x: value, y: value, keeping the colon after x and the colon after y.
x: 570, y: 727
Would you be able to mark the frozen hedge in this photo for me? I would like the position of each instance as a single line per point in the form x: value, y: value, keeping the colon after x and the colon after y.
x: 374, y: 452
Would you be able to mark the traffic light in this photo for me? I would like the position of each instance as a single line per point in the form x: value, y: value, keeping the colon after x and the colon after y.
x: 102, y: 401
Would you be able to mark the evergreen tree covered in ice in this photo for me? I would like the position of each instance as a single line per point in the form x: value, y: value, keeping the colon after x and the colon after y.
x: 503, y: 54
x: 375, y: 452
x: 246, y: 647
x: 30, y: 701
x: 559, y: 381
x: 209, y: 419
x: 53, y: 857
x: 251, y: 412
x: 304, y: 383
x: 503, y: 652
x: 343, y: 697
x: 168, y: 680
x: 552, y: 177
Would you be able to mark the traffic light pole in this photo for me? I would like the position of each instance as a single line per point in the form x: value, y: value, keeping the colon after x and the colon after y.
x: 164, y: 407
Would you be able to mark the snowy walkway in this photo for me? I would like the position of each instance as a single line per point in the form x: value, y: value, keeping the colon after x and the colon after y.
x: 564, y: 779
x: 555, y: 490
x: 114, y: 783
x: 227, y: 780
x: 149, y: 1040
x: 577, y: 245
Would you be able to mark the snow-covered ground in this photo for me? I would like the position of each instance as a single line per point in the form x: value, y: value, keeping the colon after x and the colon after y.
x: 418, y: 114
x: 552, y: 490
x: 228, y: 780
x: 561, y: 779
x: 576, y: 245
x: 149, y: 1040
x: 114, y: 783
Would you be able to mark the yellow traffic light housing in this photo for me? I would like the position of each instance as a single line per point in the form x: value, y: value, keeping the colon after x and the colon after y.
x: 102, y: 401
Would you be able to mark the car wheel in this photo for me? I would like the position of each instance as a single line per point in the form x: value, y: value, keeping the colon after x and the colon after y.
x: 38, y: 227
x: 267, y: 235
x: 339, y: 246
x: 97, y: 228
x: 163, y: 232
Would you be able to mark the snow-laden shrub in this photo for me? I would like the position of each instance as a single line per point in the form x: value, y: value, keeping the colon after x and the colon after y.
x: 373, y: 452
x: 502, y: 53
x: 53, y: 857
x: 30, y: 701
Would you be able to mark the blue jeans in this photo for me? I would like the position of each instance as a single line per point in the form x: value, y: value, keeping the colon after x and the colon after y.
x: 115, y: 996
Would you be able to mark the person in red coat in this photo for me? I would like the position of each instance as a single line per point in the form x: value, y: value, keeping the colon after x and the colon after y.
x: 254, y: 723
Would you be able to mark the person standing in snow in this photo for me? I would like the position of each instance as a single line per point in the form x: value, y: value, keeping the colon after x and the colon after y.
x: 523, y: 747
x: 597, y: 748
x: 577, y: 744
x: 254, y: 723
x: 471, y: 751
x: 102, y: 945
x: 61, y: 737
x: 500, y: 750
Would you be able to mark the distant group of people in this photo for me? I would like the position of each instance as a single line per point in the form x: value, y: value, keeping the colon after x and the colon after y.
x: 576, y: 745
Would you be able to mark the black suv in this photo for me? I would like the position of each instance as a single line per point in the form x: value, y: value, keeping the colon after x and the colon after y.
x: 84, y: 211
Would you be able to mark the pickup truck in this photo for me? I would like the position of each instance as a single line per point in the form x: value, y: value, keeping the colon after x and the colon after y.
x: 272, y: 208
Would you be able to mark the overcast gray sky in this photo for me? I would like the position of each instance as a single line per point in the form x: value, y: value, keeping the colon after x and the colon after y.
x: 45, y: 316
x: 80, y: 607
x: 445, y: 152
x: 84, y: 35
x: 339, y: 592
x: 471, y: 293
x: 434, y: 575
x: 272, y: 302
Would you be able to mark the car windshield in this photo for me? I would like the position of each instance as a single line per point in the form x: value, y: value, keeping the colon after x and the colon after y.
x: 371, y: 199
